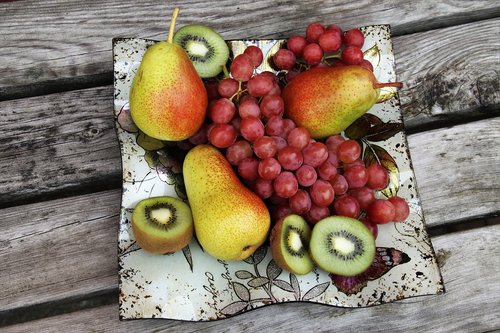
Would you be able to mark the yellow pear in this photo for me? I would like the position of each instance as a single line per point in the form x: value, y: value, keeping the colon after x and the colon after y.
x: 168, y: 99
x: 230, y: 221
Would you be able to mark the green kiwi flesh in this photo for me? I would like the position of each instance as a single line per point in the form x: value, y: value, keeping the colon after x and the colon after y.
x: 207, y: 49
x: 162, y: 224
x: 342, y: 245
x: 290, y: 244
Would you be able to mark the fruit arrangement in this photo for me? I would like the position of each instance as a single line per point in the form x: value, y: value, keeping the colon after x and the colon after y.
x: 265, y: 155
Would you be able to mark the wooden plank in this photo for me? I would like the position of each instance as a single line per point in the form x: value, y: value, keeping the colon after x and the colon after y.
x: 58, y: 143
x: 470, y: 303
x: 69, y: 39
x: 52, y: 152
x: 448, y: 76
x: 58, y: 249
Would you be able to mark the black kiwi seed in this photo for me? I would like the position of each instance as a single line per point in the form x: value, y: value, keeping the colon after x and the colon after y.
x: 161, y: 224
x: 358, y: 245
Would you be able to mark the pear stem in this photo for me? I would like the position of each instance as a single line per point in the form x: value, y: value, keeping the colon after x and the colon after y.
x: 172, y: 25
x: 378, y: 85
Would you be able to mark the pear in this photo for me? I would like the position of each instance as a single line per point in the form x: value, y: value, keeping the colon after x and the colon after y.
x: 327, y: 100
x: 168, y: 99
x: 230, y: 221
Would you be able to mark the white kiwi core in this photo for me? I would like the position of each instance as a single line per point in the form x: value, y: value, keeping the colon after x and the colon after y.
x: 162, y: 215
x: 343, y: 245
x: 197, y: 49
x: 295, y: 242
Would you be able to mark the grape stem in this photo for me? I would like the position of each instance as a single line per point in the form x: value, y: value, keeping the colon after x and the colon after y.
x: 172, y: 25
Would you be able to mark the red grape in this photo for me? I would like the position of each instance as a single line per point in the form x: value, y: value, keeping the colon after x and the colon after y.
x: 200, y: 136
x: 271, y: 75
x: 298, y: 137
x: 291, y: 74
x: 326, y: 170
x: 337, y: 63
x: 364, y: 195
x: 290, y: 158
x: 275, y: 126
x: 248, y: 107
x: 269, y: 168
x: 242, y: 68
x: 339, y: 184
x: 317, y: 213
x: 248, y: 168
x: 378, y: 177
x: 227, y: 87
x: 280, y: 142
x: 211, y: 87
x: 251, y: 128
x: 315, y: 153
x: 275, y: 90
x: 347, y: 205
x: 272, y: 106
x: 296, y: 44
x: 255, y: 54
x: 352, y: 55
x: 373, y: 227
x: 264, y: 147
x: 313, y: 31
x: 334, y: 27
x: 349, y: 151
x: 359, y: 162
x: 222, y: 110
x: 238, y: 151
x: 222, y: 135
x: 354, y: 37
x: 280, y: 212
x: 381, y: 211
x: 306, y: 175
x: 330, y: 40
x: 401, y: 208
x: 356, y: 176
x: 236, y: 122
x: 322, y: 193
x: 259, y: 85
x: 312, y: 54
x: 300, y: 202
x: 367, y: 64
x: 284, y: 59
x: 333, y: 159
x: 288, y: 126
x: 263, y: 188
x: 286, y: 185
x: 333, y: 142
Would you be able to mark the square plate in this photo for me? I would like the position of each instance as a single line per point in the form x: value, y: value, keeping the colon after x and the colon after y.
x: 191, y: 285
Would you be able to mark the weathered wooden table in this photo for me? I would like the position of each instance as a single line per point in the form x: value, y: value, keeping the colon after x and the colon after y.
x: 61, y: 175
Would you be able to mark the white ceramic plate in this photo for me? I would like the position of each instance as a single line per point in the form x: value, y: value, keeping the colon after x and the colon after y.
x: 191, y: 285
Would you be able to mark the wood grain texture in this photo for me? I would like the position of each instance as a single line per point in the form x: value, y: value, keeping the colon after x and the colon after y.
x: 55, y: 40
x: 450, y: 74
x: 467, y: 305
x: 58, y: 249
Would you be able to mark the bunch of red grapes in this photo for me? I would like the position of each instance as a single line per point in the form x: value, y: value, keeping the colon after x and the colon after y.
x: 279, y: 161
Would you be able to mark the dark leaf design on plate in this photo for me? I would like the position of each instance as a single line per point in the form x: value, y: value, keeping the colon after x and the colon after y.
x: 124, y: 119
x: 359, y: 128
x: 259, y: 281
x: 241, y: 274
x: 149, y: 143
x: 234, y: 308
x: 372, y: 55
x: 151, y: 157
x: 273, y: 270
x: 384, y: 131
x: 315, y: 291
x: 385, y: 259
x: 257, y: 256
x: 376, y: 154
x: 241, y: 291
x: 187, y: 254
x: 295, y: 285
x: 283, y: 285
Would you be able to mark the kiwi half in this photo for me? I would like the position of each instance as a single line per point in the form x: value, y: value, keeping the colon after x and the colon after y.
x: 342, y: 245
x: 162, y: 224
x: 290, y: 244
x: 207, y: 49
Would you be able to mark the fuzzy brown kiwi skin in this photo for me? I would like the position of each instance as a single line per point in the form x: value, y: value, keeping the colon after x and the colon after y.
x: 158, y: 245
x: 275, y: 245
